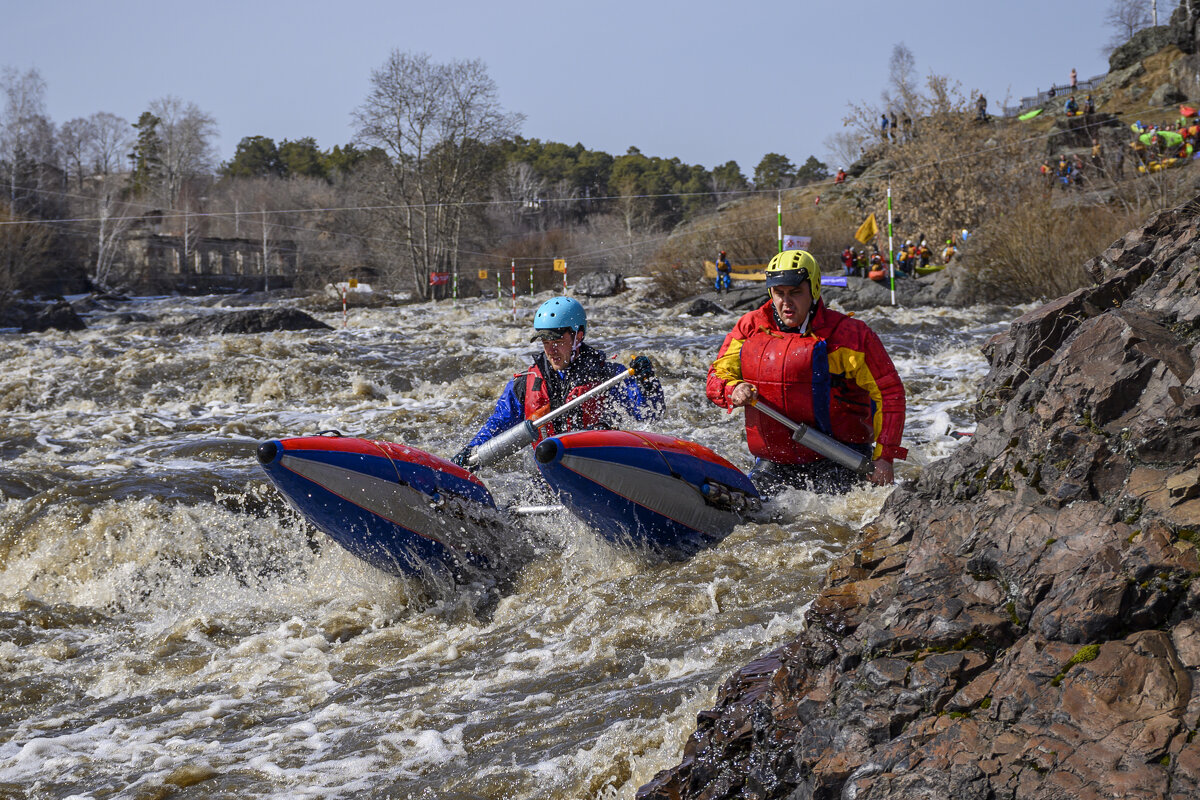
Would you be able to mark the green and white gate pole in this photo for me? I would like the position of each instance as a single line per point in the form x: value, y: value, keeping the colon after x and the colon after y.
x: 891, y: 252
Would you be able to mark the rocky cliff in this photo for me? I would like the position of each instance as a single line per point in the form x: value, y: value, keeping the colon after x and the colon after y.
x: 1021, y: 622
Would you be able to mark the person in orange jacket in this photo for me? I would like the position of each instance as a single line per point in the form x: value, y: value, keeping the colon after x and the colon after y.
x: 817, y: 366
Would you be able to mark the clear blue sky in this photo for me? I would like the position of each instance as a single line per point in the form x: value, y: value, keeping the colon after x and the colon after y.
x: 705, y: 81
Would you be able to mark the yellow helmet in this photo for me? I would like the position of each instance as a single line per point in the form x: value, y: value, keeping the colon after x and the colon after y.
x: 794, y: 268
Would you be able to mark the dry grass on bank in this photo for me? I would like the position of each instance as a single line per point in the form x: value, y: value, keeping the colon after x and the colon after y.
x: 1036, y: 248
x: 747, y: 231
x: 1037, y: 251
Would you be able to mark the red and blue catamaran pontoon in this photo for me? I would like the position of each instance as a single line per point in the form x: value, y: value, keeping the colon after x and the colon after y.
x: 409, y: 512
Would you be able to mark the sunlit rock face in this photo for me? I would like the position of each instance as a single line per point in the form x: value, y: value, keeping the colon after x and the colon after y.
x: 1022, y: 620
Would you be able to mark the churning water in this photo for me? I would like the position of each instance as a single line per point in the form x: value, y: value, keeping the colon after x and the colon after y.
x: 169, y: 628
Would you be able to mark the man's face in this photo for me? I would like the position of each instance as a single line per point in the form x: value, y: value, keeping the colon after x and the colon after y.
x: 792, y: 303
x: 560, y: 351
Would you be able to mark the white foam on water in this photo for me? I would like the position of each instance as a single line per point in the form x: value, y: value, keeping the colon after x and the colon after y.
x: 171, y: 616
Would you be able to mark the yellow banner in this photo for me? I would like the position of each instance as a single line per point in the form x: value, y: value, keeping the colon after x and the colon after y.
x: 483, y: 274
x: 868, y: 230
x: 560, y: 265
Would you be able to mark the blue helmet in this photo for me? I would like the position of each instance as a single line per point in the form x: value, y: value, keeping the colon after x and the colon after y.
x: 559, y: 313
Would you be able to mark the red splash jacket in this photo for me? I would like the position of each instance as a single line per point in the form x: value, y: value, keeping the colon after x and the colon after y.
x: 849, y: 387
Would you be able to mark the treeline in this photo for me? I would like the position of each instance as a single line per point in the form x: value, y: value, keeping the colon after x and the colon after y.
x: 438, y: 179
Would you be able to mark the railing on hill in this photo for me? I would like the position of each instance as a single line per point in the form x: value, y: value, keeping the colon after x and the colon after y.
x: 1061, y: 93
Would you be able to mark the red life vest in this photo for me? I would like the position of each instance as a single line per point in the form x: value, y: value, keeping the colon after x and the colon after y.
x: 537, y: 405
x: 791, y: 372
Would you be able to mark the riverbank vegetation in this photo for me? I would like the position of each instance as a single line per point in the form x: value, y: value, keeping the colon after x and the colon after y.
x: 440, y: 182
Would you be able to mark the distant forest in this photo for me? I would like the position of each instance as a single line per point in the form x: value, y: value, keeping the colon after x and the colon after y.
x: 438, y: 179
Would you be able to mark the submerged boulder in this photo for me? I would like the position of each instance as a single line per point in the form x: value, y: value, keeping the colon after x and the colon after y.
x: 1024, y: 619
x: 58, y: 316
x: 248, y: 321
x: 599, y: 284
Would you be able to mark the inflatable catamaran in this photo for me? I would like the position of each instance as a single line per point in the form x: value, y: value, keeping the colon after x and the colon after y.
x: 410, y: 512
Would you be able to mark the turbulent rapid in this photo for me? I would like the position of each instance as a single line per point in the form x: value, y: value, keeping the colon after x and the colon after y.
x: 168, y: 625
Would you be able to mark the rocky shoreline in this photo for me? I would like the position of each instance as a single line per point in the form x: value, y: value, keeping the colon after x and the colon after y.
x: 1024, y: 620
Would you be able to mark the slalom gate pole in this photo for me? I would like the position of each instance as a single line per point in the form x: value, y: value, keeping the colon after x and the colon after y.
x: 499, y: 289
x: 531, y: 280
x: 343, y: 306
x: 514, y: 287
x: 891, y: 253
x: 779, y: 219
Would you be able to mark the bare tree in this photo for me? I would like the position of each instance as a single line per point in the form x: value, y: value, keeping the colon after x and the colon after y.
x: 74, y: 138
x: 903, y: 79
x: 114, y: 220
x: 845, y: 147
x: 523, y: 187
x: 23, y: 121
x: 1125, y: 18
x: 435, y: 122
x: 186, y: 134
x: 25, y: 246
x: 112, y: 136
x: 94, y: 148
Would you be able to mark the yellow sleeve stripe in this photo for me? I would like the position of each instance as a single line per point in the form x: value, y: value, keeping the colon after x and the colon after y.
x: 853, y: 365
x: 728, y: 367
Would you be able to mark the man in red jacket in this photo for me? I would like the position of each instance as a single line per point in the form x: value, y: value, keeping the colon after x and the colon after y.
x: 818, y: 367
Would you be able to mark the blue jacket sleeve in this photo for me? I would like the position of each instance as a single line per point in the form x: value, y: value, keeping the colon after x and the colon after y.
x: 509, y: 411
x: 643, y: 400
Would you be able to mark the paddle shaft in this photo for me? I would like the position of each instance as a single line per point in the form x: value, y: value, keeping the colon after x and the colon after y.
x: 818, y: 442
x: 519, y: 436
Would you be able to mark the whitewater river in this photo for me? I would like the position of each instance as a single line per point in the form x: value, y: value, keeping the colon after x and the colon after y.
x: 169, y: 628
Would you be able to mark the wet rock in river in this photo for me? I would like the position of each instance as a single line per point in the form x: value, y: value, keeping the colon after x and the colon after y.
x: 58, y: 316
x: 1024, y: 620
x: 248, y: 321
x: 599, y: 284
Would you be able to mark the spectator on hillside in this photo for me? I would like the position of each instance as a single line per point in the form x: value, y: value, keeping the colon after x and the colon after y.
x: 1064, y: 171
x: 1052, y: 93
x: 1077, y: 172
x: 1139, y: 152
x: 724, y: 281
x: 894, y: 126
x: 948, y: 252
x: 1074, y: 80
x: 1089, y: 105
x: 1097, y: 155
x: 1071, y: 107
x: 924, y: 253
x: 848, y: 259
x: 883, y: 126
x: 907, y: 129
x: 840, y: 177
x: 981, y: 114
x: 1047, y: 173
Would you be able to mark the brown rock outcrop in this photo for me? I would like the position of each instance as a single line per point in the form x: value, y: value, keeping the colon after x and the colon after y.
x: 1024, y: 621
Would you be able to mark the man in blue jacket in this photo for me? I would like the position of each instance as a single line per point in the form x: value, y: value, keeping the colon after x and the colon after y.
x: 565, y: 369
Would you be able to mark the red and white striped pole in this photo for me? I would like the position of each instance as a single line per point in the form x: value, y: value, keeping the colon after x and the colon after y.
x: 343, y: 305
x: 514, y: 287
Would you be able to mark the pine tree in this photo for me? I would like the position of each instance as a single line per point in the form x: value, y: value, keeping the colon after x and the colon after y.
x: 147, y: 155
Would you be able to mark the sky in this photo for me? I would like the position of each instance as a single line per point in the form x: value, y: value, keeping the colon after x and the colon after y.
x: 703, y: 81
